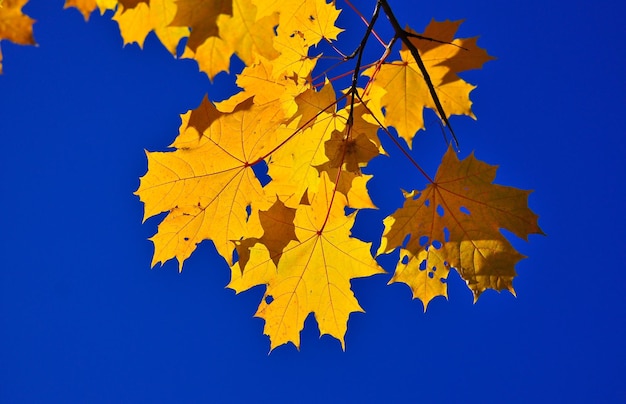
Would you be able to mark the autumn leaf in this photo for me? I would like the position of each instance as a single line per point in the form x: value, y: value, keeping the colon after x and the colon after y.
x: 207, y: 186
x: 406, y: 93
x: 14, y: 25
x: 138, y: 21
x: 313, y: 272
x: 311, y: 20
x: 455, y: 223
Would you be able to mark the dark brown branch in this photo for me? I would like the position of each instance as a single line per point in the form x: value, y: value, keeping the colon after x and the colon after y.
x: 404, y: 37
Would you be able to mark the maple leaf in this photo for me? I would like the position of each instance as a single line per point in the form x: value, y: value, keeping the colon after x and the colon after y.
x: 406, y: 91
x: 141, y: 18
x: 208, y: 183
x: 14, y: 25
x: 455, y: 223
x: 311, y: 20
x: 313, y: 272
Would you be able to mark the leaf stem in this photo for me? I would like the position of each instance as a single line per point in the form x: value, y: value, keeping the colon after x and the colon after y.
x: 356, y: 10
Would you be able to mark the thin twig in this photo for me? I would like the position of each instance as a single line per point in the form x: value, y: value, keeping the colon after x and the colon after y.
x: 356, y: 10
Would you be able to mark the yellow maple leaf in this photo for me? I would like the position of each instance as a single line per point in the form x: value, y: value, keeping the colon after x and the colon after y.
x: 311, y: 20
x: 313, y: 272
x: 406, y: 91
x: 137, y: 22
x: 14, y: 25
x: 207, y: 185
x: 455, y: 223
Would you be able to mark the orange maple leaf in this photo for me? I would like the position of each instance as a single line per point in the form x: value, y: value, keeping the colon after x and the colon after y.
x: 455, y: 223
x: 84, y: 6
x: 14, y: 25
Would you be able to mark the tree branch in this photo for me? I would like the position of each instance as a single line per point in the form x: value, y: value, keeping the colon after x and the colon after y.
x: 404, y: 37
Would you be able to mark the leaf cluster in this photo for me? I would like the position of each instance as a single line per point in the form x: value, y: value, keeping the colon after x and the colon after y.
x: 273, y: 175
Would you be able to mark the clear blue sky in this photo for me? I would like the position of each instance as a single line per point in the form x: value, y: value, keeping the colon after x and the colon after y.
x: 83, y: 318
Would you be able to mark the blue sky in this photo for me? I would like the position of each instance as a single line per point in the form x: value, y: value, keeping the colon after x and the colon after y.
x: 83, y: 318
